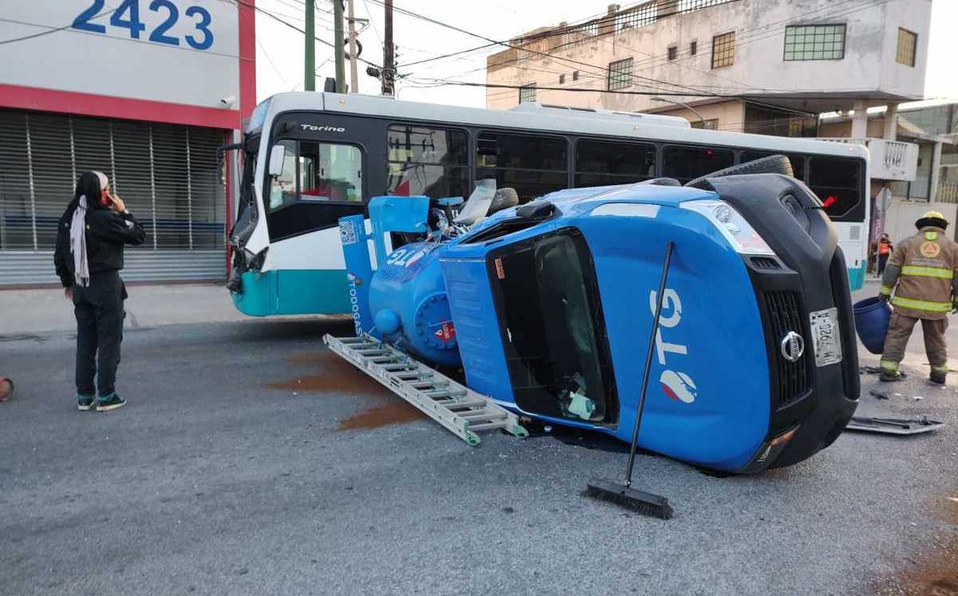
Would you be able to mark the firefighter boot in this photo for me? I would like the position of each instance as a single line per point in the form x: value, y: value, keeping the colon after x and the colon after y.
x: 938, y: 374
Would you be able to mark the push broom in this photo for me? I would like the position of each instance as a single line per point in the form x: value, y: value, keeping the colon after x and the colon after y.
x: 624, y: 495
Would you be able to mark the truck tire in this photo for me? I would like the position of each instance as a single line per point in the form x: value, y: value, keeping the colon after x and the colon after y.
x: 503, y: 199
x: 773, y: 164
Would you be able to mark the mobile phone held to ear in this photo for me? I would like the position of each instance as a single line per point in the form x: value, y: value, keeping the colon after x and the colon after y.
x: 105, y: 199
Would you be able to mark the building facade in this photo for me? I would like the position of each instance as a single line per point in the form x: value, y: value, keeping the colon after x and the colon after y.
x: 932, y: 183
x: 763, y: 66
x: 145, y: 92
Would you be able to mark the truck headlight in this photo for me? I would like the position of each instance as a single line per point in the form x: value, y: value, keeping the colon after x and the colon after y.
x: 736, y: 229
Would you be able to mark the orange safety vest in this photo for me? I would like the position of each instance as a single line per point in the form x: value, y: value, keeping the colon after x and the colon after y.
x: 884, y: 247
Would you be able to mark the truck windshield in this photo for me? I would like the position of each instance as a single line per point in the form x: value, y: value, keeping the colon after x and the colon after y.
x: 552, y: 327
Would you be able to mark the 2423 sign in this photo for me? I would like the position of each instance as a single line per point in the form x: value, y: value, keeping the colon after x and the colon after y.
x: 127, y: 16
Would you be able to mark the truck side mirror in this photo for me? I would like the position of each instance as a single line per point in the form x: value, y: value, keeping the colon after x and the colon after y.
x: 277, y: 156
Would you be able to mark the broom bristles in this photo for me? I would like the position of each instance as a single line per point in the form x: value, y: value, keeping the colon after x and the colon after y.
x: 637, y: 500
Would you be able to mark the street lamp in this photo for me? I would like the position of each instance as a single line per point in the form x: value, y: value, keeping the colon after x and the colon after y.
x: 684, y: 105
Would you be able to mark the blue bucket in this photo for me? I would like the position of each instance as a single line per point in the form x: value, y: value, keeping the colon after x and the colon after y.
x: 871, y: 323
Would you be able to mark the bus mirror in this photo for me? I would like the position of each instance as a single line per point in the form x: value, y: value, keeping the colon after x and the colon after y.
x: 277, y: 155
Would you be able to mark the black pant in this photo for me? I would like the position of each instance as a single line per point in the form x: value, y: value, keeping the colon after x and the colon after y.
x: 99, y: 312
x: 882, y: 259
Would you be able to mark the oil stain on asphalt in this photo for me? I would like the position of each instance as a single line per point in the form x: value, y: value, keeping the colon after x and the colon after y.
x: 338, y: 376
x: 936, y: 572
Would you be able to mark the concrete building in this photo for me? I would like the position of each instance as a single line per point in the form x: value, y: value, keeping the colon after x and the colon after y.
x: 929, y: 178
x: 764, y: 66
x: 146, y: 93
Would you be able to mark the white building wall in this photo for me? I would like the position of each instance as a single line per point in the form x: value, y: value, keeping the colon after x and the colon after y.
x: 115, y: 64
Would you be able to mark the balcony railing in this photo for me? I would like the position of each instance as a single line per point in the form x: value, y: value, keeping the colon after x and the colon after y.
x: 947, y: 192
x: 888, y: 160
x: 638, y: 15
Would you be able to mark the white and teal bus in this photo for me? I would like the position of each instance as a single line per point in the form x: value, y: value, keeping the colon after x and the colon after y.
x: 312, y: 158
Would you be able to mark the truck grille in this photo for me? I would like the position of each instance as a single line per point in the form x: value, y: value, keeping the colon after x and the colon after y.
x: 784, y: 315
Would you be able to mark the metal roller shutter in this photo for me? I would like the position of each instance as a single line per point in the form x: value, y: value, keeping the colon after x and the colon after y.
x: 169, y: 176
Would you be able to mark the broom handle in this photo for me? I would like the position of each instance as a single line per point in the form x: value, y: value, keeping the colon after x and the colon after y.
x: 648, y: 361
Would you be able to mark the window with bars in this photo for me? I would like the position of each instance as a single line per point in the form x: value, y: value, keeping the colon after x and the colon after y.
x: 620, y: 74
x: 690, y: 5
x: 527, y: 93
x: 907, y: 43
x: 723, y: 50
x: 644, y: 14
x: 814, y: 42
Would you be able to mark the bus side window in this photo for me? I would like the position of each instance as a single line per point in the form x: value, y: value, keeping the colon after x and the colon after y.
x: 532, y: 165
x: 601, y: 163
x: 427, y: 161
x: 798, y: 161
x: 837, y: 182
x: 687, y: 163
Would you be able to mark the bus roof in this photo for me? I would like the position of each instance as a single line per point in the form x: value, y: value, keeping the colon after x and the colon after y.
x: 547, y: 118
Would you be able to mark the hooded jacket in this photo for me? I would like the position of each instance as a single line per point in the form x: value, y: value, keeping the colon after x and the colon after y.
x: 106, y: 233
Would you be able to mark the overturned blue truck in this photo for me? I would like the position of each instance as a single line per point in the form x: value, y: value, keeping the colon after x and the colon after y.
x: 546, y: 308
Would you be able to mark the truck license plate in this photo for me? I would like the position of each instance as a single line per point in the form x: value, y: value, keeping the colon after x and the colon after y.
x: 826, y: 341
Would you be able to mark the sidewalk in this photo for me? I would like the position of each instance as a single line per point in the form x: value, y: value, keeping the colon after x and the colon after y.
x: 37, y: 312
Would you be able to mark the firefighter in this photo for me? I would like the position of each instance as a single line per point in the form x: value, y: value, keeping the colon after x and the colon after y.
x: 884, y: 251
x: 923, y: 267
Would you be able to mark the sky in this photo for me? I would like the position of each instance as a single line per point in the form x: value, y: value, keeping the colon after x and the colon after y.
x: 280, y: 53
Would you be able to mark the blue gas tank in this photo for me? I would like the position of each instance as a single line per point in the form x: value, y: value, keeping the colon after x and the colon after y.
x: 407, y: 299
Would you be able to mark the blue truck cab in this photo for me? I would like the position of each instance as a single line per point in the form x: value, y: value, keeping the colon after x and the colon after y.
x: 755, y: 363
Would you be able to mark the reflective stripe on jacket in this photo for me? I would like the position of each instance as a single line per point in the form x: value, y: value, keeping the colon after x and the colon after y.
x: 927, y: 263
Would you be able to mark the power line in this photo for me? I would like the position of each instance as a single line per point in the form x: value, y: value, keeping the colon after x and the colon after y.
x: 740, y: 41
x: 443, y: 82
x: 763, y: 33
x: 54, y: 30
x: 558, y: 58
x: 295, y: 28
x: 270, y: 60
x: 372, y: 22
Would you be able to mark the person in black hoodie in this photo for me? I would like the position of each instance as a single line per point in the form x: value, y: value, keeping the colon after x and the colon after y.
x: 88, y: 258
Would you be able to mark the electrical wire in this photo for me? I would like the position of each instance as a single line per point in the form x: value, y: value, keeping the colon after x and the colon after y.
x: 441, y: 83
x: 527, y: 50
x: 297, y: 29
x: 766, y: 31
x: 763, y: 33
x: 271, y: 63
x: 48, y: 32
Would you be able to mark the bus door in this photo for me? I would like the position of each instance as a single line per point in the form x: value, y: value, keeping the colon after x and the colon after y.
x: 316, y: 174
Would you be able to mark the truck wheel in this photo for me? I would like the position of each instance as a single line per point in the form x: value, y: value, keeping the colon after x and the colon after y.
x: 773, y: 164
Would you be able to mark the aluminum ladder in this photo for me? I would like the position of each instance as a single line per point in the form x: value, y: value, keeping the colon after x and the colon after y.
x: 461, y: 410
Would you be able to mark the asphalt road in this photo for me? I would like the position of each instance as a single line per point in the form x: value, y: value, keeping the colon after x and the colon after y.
x: 212, y: 482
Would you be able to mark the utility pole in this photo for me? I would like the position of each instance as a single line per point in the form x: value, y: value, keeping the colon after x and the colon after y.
x: 339, y: 49
x: 389, y: 57
x: 309, y: 81
x: 353, y: 57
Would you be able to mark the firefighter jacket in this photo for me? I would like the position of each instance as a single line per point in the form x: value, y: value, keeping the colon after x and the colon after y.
x: 923, y: 267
